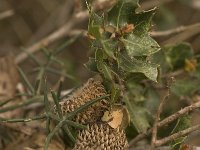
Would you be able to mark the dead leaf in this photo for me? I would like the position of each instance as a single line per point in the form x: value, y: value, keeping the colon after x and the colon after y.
x: 117, y: 116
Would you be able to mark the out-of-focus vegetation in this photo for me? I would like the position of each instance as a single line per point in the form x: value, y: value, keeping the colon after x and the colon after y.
x: 58, y: 42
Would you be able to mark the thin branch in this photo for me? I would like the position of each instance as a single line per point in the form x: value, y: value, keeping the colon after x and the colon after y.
x: 174, y: 30
x: 152, y: 3
x: 182, y: 36
x: 177, y: 135
x: 178, y: 113
x: 155, y: 126
x: 166, y: 121
x: 22, y: 119
x: 6, y: 14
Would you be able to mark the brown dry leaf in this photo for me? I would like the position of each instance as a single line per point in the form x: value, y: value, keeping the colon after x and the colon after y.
x: 117, y: 116
x: 91, y: 37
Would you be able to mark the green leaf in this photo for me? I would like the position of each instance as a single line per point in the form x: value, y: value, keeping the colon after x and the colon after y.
x: 142, y: 21
x: 177, y: 54
x: 153, y: 100
x: 109, y: 47
x: 119, y: 15
x: 137, y: 66
x: 115, y: 93
x: 137, y: 114
x: 185, y: 87
x: 105, y: 70
x: 91, y: 64
x: 160, y: 58
x: 142, y: 45
x: 94, y: 25
x: 102, y: 67
x: 136, y: 90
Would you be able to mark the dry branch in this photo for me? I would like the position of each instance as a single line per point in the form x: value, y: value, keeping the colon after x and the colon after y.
x: 6, y: 14
x: 177, y: 135
x: 155, y: 126
x: 166, y: 121
x: 174, y: 30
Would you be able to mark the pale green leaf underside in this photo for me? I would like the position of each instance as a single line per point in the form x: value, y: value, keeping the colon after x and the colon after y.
x: 136, y: 66
x: 140, y: 45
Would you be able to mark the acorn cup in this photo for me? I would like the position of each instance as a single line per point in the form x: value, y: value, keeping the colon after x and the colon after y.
x: 101, y: 136
x: 105, y: 125
x: 91, y: 90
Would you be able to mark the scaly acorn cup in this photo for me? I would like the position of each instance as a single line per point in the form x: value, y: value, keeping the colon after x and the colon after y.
x: 104, y: 123
x: 101, y: 136
x: 92, y: 89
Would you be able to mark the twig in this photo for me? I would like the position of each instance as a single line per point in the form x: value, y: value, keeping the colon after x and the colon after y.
x: 182, y: 36
x: 22, y: 119
x: 166, y: 121
x: 150, y: 4
x: 174, y: 30
x: 155, y: 126
x: 173, y: 74
x: 178, y: 113
x: 177, y: 135
x: 6, y: 14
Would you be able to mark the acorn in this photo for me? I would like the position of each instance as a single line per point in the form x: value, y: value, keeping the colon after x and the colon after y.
x: 92, y: 89
x: 101, y: 136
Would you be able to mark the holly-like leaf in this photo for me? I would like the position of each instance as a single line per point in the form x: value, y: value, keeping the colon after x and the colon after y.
x: 119, y: 15
x: 137, y: 115
x: 137, y: 66
x: 142, y: 21
x: 140, y: 45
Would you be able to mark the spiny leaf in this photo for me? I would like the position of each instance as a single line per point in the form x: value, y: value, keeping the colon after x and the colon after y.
x: 142, y: 21
x: 119, y: 15
x: 137, y: 66
x: 140, y: 45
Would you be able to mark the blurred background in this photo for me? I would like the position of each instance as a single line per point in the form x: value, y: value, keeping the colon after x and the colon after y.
x: 30, y: 29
